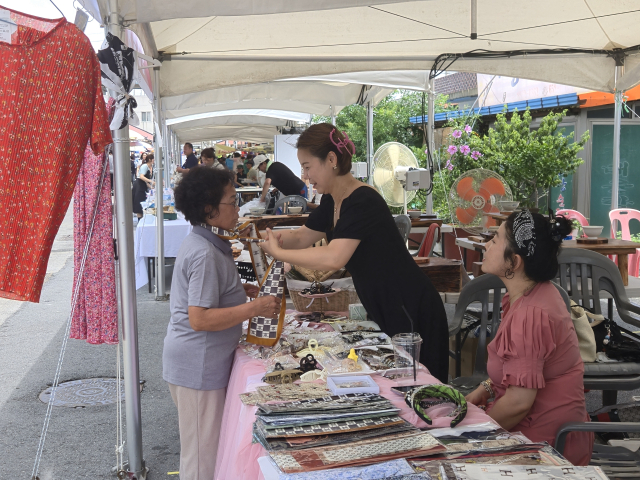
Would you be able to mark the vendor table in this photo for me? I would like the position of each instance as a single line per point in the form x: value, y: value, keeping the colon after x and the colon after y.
x: 621, y: 248
x: 145, y: 248
x: 420, y: 225
x: 238, y: 457
x: 248, y: 193
x: 269, y: 221
x: 444, y: 273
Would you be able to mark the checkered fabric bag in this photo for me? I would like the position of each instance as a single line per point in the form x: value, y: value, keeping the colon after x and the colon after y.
x: 266, y: 331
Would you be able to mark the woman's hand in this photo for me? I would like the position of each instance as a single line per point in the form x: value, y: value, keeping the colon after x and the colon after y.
x: 267, y: 306
x: 478, y: 397
x: 251, y: 290
x: 271, y: 244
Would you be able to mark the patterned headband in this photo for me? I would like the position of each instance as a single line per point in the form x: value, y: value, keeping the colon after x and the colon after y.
x: 343, y: 143
x: 524, y: 232
x: 417, y: 398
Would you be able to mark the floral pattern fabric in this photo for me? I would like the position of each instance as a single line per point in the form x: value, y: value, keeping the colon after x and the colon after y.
x: 95, y: 318
x: 51, y: 104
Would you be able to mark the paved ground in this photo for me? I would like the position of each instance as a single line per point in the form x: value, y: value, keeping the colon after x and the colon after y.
x: 80, y: 442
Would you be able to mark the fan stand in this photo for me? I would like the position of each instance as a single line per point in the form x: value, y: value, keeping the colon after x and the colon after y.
x: 404, y: 188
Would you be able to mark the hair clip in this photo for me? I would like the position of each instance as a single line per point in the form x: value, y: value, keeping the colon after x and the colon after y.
x: 343, y: 143
x: 556, y: 236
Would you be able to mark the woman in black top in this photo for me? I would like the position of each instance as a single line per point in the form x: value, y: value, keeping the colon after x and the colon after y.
x: 143, y: 183
x: 364, y: 238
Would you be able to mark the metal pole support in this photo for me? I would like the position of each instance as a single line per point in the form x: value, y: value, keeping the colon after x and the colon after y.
x: 615, y: 174
x: 128, y: 311
x: 161, y: 293
x: 370, y: 143
x: 431, y: 109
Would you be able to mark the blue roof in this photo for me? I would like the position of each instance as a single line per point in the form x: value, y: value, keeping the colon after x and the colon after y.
x: 533, y: 104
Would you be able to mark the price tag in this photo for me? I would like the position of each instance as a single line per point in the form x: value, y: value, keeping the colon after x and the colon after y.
x: 6, y: 28
x: 305, y: 324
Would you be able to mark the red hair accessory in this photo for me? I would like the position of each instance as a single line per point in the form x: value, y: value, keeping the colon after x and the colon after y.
x: 343, y: 143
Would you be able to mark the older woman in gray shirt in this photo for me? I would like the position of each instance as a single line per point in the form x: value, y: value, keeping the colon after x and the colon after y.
x: 208, y: 306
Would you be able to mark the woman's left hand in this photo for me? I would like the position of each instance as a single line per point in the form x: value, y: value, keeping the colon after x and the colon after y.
x: 270, y: 245
x: 251, y: 290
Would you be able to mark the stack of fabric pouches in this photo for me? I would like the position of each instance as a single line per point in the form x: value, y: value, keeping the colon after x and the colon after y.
x: 336, y: 431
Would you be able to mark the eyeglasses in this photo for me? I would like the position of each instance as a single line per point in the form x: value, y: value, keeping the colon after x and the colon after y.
x: 235, y: 203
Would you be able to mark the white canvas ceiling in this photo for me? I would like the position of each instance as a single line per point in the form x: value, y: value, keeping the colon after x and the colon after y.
x: 240, y: 117
x: 253, y: 42
x: 248, y: 133
x: 304, y: 97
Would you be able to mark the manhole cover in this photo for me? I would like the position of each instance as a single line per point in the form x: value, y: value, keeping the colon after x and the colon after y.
x: 88, y: 392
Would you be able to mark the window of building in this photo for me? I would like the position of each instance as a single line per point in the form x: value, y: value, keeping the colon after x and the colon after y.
x: 146, y: 116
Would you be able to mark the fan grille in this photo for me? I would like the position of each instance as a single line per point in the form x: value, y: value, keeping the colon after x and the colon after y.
x: 385, y: 160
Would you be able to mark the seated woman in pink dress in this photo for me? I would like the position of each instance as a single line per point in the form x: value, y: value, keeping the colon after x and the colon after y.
x: 534, y: 361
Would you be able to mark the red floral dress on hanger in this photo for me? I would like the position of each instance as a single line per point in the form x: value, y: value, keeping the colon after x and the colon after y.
x: 51, y: 104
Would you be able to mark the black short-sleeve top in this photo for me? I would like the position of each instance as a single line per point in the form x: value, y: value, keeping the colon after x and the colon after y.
x: 383, y: 271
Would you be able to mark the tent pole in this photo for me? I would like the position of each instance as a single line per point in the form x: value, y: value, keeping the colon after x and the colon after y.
x: 333, y: 116
x: 431, y: 108
x: 615, y: 174
x: 370, y: 142
x: 157, y: 146
x: 128, y: 314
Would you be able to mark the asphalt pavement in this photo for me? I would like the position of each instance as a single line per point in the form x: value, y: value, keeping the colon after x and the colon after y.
x: 80, y: 442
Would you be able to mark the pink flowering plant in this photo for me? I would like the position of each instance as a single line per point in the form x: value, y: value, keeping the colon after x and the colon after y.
x: 463, y: 151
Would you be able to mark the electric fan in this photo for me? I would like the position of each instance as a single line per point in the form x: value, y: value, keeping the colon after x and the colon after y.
x: 475, y: 193
x: 396, y: 174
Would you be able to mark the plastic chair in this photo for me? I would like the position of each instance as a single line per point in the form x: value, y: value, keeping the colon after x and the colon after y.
x: 403, y: 222
x: 624, y: 217
x: 584, y: 275
x: 487, y: 289
x: 292, y: 201
x: 429, y: 241
x: 270, y: 203
x: 613, y: 460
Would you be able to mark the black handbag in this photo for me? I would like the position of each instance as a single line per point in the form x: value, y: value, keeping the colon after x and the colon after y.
x: 616, y: 341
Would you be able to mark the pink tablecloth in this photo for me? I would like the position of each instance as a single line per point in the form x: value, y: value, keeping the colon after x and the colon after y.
x: 238, y: 457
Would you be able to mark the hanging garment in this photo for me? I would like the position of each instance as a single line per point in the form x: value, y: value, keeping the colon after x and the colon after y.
x: 95, y: 318
x: 50, y: 103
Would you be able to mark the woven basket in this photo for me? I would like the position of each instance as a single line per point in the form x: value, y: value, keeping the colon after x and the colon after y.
x: 335, y: 303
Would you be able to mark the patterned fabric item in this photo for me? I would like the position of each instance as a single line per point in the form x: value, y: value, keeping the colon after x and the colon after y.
x: 258, y: 257
x: 50, y: 96
x: 332, y: 427
x: 262, y: 330
x: 524, y: 232
x: 416, y: 399
x: 333, y: 402
x: 379, y: 471
x: 463, y: 471
x: 358, y: 453
x: 281, y: 393
x: 118, y: 66
x: 95, y: 318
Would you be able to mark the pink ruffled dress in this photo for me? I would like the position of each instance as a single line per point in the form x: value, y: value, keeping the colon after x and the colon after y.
x: 536, y: 346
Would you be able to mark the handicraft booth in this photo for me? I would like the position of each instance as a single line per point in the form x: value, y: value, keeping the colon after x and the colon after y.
x: 322, y: 392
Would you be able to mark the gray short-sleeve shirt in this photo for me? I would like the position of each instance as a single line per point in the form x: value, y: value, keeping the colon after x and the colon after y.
x: 204, y: 275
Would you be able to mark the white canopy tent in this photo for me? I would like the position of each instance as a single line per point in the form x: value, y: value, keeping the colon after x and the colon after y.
x: 317, y: 98
x: 571, y: 42
x: 247, y: 133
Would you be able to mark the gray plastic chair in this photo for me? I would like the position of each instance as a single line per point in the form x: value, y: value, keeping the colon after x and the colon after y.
x: 486, y: 290
x: 293, y: 201
x: 403, y: 222
x: 267, y: 201
x: 584, y: 275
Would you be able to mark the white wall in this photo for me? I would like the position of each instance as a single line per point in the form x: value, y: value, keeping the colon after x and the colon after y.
x: 286, y: 152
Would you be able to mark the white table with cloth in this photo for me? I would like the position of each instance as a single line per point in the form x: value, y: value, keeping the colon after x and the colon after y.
x: 144, y: 243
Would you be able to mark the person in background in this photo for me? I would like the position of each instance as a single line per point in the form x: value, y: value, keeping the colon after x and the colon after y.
x: 534, y: 364
x: 142, y: 160
x: 208, y: 304
x: 281, y: 177
x: 191, y: 160
x: 222, y: 161
x: 142, y: 185
x: 133, y: 168
x: 252, y: 174
x: 231, y: 161
x: 208, y: 158
x: 240, y: 175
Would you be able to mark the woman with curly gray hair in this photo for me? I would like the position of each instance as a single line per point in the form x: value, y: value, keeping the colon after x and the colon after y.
x: 208, y: 306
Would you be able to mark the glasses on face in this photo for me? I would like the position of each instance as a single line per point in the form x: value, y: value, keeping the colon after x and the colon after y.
x: 235, y: 202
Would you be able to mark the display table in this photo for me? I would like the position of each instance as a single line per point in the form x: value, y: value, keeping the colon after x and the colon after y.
x: 144, y: 244
x: 238, y: 458
x: 621, y: 248
x: 269, y: 221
